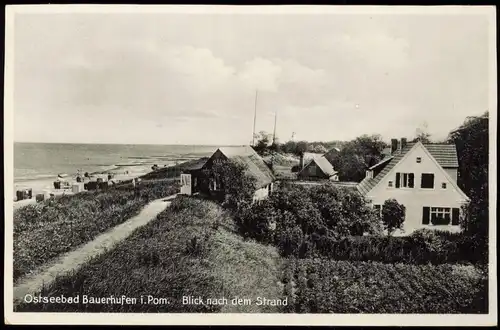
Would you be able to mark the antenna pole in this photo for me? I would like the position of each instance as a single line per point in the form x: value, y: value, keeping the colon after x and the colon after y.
x: 274, y: 132
x: 254, y: 119
x: 274, y: 139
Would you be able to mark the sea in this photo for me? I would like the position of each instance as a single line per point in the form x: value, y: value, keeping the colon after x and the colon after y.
x: 35, y: 163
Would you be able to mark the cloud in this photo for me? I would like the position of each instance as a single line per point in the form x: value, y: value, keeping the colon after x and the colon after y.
x: 192, y: 72
x: 260, y: 73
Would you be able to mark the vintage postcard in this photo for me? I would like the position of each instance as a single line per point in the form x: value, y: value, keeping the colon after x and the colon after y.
x: 250, y: 165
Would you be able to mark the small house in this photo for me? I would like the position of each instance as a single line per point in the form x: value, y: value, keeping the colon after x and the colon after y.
x: 318, y: 168
x: 422, y: 177
x: 197, y: 179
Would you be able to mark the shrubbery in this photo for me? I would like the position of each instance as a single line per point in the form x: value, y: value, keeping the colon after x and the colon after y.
x: 334, y: 222
x: 295, y: 219
x: 322, y: 286
x: 73, y: 220
x: 422, y: 247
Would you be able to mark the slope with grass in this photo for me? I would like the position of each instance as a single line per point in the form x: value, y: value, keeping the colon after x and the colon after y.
x: 44, y: 231
x: 190, y: 249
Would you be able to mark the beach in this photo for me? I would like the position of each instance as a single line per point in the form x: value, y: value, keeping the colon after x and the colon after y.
x: 37, y: 165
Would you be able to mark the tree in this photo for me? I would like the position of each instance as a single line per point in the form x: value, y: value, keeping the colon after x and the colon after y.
x: 301, y: 147
x: 289, y: 147
x: 421, y: 134
x: 263, y: 141
x: 472, y: 141
x: 317, y: 148
x: 393, y: 215
x: 358, y: 155
x: 238, y: 187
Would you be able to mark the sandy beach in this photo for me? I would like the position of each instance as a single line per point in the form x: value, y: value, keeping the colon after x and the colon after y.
x: 40, y: 186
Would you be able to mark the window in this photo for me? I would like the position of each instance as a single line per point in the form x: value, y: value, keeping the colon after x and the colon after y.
x: 427, y: 181
x: 443, y: 185
x: 217, y: 184
x: 378, y: 209
x: 419, y: 160
x: 405, y: 180
x: 390, y: 183
x: 440, y: 216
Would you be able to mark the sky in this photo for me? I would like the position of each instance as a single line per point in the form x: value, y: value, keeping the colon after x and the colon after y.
x: 165, y: 78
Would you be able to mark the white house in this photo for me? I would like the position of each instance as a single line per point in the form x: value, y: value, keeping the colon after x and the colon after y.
x: 422, y: 177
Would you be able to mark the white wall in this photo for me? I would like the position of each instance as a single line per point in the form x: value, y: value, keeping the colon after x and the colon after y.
x: 261, y: 193
x: 414, y: 199
x: 453, y: 172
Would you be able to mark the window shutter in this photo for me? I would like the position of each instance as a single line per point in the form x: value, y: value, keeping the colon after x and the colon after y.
x: 411, y: 180
x: 398, y: 176
x: 425, y: 215
x: 455, y: 216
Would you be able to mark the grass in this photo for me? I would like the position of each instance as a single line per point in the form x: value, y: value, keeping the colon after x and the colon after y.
x: 46, y: 230
x: 190, y: 249
x: 325, y: 286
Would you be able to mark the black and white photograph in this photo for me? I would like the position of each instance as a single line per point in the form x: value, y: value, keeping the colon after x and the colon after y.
x: 291, y: 165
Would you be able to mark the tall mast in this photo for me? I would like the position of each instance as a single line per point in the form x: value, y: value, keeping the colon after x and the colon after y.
x: 254, y: 118
x: 274, y: 131
x: 274, y: 140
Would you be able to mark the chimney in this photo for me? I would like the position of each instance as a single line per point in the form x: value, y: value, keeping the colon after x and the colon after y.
x: 394, y: 145
x: 403, y: 143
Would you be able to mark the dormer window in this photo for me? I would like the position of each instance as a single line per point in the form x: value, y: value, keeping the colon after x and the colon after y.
x: 419, y: 160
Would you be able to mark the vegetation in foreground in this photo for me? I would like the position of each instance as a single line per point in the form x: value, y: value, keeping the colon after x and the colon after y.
x: 190, y: 249
x: 46, y: 230
x: 327, y: 286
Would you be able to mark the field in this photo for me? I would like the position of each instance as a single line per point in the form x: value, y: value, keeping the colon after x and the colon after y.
x: 326, y: 286
x: 43, y: 231
x: 190, y: 249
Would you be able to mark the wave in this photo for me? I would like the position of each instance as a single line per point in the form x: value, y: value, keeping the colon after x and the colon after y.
x: 35, y: 177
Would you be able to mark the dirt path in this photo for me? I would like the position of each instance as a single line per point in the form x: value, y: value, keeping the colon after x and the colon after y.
x: 73, y: 260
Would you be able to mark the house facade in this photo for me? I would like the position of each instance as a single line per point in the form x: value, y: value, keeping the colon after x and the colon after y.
x: 318, y: 168
x: 199, y: 180
x: 422, y: 177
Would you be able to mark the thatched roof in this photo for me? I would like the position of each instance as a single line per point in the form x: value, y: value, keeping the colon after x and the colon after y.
x: 256, y: 167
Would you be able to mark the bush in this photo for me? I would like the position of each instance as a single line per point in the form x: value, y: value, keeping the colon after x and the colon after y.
x: 297, y: 218
x: 421, y: 248
x: 368, y: 287
x: 393, y: 215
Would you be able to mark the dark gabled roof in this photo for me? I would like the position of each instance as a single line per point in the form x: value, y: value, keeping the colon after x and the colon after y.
x: 445, y: 155
x: 194, y: 165
x: 256, y: 167
x: 325, y: 166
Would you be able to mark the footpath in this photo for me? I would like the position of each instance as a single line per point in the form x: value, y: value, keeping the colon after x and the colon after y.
x: 75, y: 259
